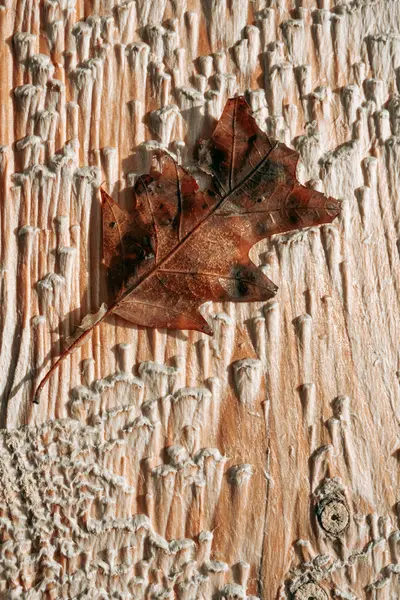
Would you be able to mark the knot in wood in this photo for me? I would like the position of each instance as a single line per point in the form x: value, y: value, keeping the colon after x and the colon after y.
x: 310, y: 591
x: 334, y: 517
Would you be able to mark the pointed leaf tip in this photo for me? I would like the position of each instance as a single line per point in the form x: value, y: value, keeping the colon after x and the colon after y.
x: 334, y: 207
x: 207, y: 329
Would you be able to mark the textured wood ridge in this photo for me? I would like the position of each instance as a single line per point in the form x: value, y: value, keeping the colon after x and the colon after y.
x: 261, y: 462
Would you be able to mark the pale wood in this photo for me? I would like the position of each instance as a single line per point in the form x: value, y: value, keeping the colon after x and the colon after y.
x: 261, y: 462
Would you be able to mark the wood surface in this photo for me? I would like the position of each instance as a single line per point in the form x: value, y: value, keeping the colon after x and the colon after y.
x: 261, y: 462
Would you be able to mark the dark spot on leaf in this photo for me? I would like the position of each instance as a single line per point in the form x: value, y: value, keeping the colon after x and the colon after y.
x: 242, y: 288
x: 113, y: 224
x: 262, y: 228
x: 270, y: 171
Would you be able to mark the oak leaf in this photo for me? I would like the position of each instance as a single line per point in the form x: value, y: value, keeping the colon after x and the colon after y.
x: 180, y: 246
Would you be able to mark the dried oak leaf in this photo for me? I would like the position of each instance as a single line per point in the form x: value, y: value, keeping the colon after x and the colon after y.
x: 181, y: 246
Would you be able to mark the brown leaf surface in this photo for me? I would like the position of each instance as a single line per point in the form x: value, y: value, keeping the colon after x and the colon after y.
x: 180, y: 247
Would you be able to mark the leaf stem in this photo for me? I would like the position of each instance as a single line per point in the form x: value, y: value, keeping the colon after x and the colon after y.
x: 78, y: 342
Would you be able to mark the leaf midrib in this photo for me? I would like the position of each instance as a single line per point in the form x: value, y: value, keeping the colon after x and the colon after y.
x: 146, y: 276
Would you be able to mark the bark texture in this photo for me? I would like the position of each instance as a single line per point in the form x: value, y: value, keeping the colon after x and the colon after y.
x: 261, y: 462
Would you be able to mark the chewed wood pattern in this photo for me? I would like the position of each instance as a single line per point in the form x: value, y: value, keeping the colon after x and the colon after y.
x: 261, y: 462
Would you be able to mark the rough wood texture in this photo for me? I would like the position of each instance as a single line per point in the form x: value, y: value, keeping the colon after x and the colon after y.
x: 260, y: 462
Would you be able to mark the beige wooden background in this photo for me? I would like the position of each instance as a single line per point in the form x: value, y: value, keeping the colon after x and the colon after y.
x: 261, y: 462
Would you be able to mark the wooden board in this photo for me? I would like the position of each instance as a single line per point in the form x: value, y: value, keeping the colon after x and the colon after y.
x: 261, y: 462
